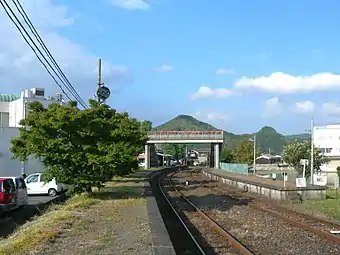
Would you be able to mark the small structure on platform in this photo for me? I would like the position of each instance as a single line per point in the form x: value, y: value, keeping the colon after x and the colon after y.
x: 161, y: 160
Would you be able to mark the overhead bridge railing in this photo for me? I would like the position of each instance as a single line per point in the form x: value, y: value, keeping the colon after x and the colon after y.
x: 186, y: 135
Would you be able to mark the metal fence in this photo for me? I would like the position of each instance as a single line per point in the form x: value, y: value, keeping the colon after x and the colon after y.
x: 235, y: 168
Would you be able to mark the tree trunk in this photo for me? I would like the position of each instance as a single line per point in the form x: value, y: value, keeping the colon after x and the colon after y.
x: 88, y: 190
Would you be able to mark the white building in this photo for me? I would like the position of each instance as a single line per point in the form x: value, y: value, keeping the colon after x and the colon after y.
x: 327, y: 139
x: 14, y: 108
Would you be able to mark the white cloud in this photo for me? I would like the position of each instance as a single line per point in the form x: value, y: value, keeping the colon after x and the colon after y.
x: 304, y: 107
x: 206, y: 92
x: 331, y: 108
x: 284, y: 83
x: 131, y: 4
x: 164, y: 68
x: 218, y: 117
x: 20, y: 69
x: 272, y: 107
x: 224, y: 71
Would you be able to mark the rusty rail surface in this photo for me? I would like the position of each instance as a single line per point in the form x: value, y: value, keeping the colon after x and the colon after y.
x: 278, y: 210
x: 233, y: 242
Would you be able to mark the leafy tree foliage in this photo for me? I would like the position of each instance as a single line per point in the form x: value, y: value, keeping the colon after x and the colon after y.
x: 81, y: 147
x: 146, y: 125
x: 297, y: 150
x: 176, y: 150
x: 244, y: 152
x: 227, y: 155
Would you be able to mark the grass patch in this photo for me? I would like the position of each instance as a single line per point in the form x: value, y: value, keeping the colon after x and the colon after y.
x: 330, y: 206
x: 43, y: 228
x: 48, y: 227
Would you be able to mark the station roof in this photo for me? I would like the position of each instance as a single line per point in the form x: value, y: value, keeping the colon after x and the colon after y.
x: 8, y: 97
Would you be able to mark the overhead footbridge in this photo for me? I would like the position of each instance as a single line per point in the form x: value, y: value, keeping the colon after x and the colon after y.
x: 215, y: 138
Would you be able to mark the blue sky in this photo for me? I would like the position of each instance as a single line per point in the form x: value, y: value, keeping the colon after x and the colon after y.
x: 157, y: 56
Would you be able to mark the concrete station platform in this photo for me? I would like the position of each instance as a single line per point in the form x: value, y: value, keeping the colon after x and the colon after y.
x: 266, y: 187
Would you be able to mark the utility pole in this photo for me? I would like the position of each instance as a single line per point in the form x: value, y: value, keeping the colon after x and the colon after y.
x: 312, y: 151
x: 254, y: 164
x: 103, y: 93
x: 99, y: 75
x: 24, y: 163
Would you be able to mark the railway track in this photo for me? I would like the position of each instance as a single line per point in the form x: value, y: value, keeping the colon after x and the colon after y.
x: 237, y: 247
x: 315, y: 225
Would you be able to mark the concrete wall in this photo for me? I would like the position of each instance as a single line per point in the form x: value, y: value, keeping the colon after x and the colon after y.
x: 9, y: 166
x: 4, y: 114
x: 4, y: 107
x: 330, y: 170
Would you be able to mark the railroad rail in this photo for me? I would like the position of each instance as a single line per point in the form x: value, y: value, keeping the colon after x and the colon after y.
x: 301, y: 220
x: 198, y: 246
x: 233, y: 242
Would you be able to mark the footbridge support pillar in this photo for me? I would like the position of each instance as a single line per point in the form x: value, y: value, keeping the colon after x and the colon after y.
x: 147, y: 156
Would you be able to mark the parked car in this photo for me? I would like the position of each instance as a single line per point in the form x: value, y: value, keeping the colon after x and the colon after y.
x: 36, y: 184
x: 7, y: 195
x: 21, y: 190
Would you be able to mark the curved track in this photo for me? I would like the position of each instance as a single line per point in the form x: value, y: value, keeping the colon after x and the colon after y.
x: 233, y: 242
x: 182, y: 239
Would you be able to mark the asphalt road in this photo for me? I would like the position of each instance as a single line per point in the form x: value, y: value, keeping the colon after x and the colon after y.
x: 18, y: 217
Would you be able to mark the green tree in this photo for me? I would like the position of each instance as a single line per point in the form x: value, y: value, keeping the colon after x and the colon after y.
x: 146, y: 125
x: 81, y: 147
x: 176, y: 150
x: 244, y: 152
x: 297, y: 150
x: 227, y: 155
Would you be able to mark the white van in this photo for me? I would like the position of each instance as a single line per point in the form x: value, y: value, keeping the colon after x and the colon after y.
x: 36, y: 185
x: 21, y: 190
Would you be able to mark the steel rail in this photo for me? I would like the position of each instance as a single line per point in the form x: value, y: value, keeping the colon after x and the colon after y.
x: 233, y: 242
x: 199, y: 247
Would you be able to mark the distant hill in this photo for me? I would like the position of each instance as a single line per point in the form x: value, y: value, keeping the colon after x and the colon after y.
x: 268, y: 139
x: 185, y: 122
x: 300, y: 137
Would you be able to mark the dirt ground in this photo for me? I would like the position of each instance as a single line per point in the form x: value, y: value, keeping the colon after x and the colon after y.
x: 113, y: 221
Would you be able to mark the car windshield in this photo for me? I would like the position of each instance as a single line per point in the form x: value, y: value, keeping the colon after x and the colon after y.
x: 33, y: 178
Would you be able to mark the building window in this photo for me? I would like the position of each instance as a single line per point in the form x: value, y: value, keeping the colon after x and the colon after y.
x: 4, y: 119
x: 326, y: 150
x: 39, y: 92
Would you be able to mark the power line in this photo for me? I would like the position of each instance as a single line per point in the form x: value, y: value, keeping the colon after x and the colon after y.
x: 44, y: 47
x: 3, y: 3
x: 76, y: 96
